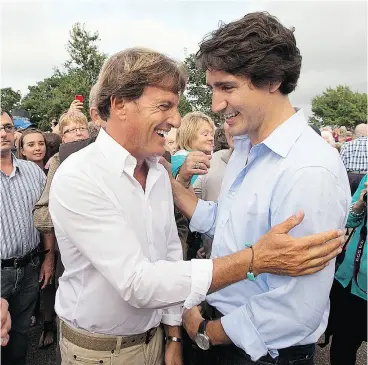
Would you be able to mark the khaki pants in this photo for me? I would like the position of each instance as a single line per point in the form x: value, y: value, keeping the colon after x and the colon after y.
x: 151, y: 354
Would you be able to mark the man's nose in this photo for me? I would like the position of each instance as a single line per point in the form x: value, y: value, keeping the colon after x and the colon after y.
x: 175, y: 120
x: 218, y: 102
x: 2, y: 133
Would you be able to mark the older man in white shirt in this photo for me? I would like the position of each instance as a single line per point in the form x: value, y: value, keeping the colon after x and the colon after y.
x: 112, y: 209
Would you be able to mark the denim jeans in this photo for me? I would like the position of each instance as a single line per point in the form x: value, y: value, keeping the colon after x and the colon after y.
x: 19, y: 286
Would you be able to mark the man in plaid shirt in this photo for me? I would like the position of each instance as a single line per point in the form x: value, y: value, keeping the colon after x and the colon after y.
x: 354, y: 156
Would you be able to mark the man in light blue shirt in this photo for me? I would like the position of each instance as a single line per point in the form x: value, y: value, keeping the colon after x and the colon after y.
x: 279, y: 166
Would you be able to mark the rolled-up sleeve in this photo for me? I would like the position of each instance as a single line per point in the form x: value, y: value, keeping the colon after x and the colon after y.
x: 95, y: 226
x: 293, y: 308
x: 204, y: 218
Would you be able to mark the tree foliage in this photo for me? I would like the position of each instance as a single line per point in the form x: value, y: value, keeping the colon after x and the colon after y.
x: 198, y: 94
x: 184, y: 106
x: 84, y: 53
x: 52, y: 96
x: 340, y: 106
x: 10, y: 99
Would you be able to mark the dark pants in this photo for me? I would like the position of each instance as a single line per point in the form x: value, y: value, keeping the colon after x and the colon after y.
x: 19, y: 286
x: 347, y: 324
x: 232, y: 355
x: 354, y: 180
x: 59, y: 270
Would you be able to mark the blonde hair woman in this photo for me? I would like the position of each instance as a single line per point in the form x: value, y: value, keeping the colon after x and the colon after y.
x: 196, y: 133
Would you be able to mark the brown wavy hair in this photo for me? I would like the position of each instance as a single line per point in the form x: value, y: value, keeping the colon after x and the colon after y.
x: 257, y: 46
x: 125, y: 75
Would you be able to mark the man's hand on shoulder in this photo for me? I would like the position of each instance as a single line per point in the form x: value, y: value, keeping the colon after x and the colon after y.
x: 279, y: 253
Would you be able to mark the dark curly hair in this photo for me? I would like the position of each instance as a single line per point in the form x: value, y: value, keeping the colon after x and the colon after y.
x: 257, y: 46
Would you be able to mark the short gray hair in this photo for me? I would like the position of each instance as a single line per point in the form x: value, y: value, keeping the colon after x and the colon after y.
x: 92, y: 96
x: 361, y: 130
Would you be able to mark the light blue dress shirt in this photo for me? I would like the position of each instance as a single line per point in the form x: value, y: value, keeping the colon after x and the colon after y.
x: 292, y: 169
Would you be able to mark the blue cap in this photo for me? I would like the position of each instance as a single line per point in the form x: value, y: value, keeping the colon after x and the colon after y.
x: 21, y: 123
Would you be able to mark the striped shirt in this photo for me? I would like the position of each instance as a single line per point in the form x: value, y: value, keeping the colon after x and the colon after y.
x: 19, y: 193
x: 354, y: 155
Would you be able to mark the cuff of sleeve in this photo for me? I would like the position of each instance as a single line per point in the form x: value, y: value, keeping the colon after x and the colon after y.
x: 200, y: 221
x: 245, y: 336
x: 172, y: 316
x: 201, y: 282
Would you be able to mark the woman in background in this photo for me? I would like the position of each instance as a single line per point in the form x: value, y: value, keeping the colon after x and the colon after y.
x: 73, y: 126
x: 196, y: 133
x: 348, y: 315
x: 32, y: 146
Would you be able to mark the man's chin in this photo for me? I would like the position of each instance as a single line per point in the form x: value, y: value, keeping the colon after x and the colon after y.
x: 5, y: 149
x: 237, y: 131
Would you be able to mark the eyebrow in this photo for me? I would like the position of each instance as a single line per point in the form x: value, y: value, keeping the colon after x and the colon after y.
x: 222, y: 83
x: 168, y: 102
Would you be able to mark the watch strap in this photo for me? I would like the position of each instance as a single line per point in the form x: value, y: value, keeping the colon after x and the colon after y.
x: 173, y: 339
x: 202, y: 327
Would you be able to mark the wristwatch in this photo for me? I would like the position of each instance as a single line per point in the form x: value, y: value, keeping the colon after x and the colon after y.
x: 201, y: 338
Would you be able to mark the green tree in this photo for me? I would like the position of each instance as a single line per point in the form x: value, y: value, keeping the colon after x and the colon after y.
x: 52, y: 96
x: 198, y: 94
x: 340, y: 106
x: 83, y: 52
x: 184, y: 106
x: 9, y: 98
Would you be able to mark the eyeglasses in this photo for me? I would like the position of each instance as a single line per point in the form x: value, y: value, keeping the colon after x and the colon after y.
x: 74, y: 130
x: 8, y: 128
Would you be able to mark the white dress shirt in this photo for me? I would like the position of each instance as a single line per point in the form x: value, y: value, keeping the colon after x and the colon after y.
x: 119, y: 244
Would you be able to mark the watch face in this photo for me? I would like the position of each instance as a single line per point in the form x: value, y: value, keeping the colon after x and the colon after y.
x: 202, y: 341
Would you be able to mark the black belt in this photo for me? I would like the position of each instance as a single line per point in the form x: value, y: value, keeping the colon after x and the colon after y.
x: 16, y: 262
x: 289, y: 353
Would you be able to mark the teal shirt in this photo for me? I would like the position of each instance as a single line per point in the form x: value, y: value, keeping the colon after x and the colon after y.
x: 346, y: 270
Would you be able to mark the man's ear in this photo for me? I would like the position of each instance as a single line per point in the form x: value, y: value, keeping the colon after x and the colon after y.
x: 118, y: 107
x: 274, y: 86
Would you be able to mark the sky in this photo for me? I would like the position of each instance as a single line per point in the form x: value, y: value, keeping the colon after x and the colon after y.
x: 331, y: 35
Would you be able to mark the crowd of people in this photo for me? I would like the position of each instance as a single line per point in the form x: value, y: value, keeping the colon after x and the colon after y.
x: 156, y: 238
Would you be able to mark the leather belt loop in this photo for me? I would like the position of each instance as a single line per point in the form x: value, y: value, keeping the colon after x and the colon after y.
x: 118, y: 345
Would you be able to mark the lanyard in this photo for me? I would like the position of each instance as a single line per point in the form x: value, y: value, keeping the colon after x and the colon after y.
x: 359, y: 252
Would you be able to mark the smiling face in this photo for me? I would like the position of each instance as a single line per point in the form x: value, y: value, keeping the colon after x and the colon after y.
x: 204, y: 138
x: 147, y: 121
x: 34, y: 147
x: 242, y: 105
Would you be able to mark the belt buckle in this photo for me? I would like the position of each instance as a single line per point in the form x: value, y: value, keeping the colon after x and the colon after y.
x: 16, y: 265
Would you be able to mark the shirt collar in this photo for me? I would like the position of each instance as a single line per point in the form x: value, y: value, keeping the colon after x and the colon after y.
x: 15, y: 166
x: 282, y: 139
x: 15, y: 161
x: 118, y: 156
